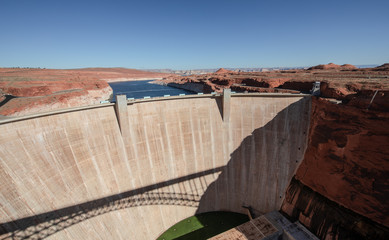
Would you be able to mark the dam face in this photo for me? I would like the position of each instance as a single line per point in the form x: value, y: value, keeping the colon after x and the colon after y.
x: 78, y: 174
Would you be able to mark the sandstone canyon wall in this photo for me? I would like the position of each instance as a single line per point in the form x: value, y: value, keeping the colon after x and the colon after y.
x: 340, y: 190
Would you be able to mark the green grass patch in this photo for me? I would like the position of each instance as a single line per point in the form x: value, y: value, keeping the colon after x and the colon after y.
x: 204, y: 226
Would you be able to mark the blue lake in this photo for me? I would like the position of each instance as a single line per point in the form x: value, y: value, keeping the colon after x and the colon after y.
x: 141, y: 89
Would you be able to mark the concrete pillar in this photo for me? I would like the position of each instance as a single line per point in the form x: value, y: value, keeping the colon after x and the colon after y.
x: 121, y: 114
x: 226, y: 105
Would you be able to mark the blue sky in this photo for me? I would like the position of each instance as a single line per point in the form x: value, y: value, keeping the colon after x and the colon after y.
x: 192, y: 34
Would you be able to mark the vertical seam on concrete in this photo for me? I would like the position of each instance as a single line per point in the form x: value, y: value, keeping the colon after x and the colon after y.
x: 136, y: 154
x: 163, y: 135
x: 172, y: 172
x: 148, y: 151
x: 182, y: 143
x: 199, y: 126
x: 134, y: 141
x: 75, y: 160
x: 110, y: 160
x: 215, y: 176
x: 248, y: 195
x: 242, y: 152
x: 193, y: 137
x: 226, y: 105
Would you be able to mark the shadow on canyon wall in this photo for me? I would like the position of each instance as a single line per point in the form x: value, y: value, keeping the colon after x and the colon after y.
x: 240, y: 182
x: 327, y: 219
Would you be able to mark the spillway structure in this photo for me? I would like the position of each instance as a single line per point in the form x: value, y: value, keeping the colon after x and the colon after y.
x: 133, y: 169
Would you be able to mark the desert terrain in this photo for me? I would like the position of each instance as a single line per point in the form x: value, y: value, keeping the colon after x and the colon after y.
x: 346, y: 83
x: 27, y: 90
x: 30, y: 90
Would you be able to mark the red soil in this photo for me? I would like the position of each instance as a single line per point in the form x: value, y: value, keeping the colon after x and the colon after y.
x: 48, y: 89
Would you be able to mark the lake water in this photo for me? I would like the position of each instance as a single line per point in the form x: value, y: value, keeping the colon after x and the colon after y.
x: 141, y: 89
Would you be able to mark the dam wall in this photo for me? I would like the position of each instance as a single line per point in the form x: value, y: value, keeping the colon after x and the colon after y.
x: 77, y: 175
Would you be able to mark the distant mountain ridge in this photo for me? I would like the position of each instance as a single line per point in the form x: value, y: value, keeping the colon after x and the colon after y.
x: 259, y: 69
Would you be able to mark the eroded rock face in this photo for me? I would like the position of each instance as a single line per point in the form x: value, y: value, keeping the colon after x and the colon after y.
x: 327, y: 219
x: 347, y: 163
x: 347, y: 159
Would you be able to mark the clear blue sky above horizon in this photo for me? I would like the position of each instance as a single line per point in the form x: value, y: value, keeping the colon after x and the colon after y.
x: 192, y: 34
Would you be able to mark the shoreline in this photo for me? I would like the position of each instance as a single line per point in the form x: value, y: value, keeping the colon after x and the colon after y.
x: 112, y: 80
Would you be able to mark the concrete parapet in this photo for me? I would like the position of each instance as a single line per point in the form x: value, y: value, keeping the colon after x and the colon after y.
x: 226, y: 105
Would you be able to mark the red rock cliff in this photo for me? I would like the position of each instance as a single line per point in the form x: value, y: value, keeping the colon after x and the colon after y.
x: 346, y: 162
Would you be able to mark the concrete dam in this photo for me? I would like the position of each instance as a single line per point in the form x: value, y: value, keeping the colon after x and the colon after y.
x: 132, y: 170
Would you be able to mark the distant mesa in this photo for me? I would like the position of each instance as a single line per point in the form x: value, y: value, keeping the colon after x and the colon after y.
x: 383, y: 67
x: 333, y: 66
x: 222, y: 71
x: 348, y: 66
x: 325, y: 67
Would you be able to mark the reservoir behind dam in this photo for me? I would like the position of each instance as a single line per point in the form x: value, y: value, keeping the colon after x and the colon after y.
x: 141, y: 89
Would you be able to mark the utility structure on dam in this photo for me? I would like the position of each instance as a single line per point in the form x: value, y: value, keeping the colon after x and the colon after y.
x: 135, y: 168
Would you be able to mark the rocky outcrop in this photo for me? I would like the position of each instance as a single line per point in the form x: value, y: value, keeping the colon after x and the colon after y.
x: 223, y: 71
x: 348, y: 67
x: 383, y: 67
x: 239, y: 88
x: 332, y: 66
